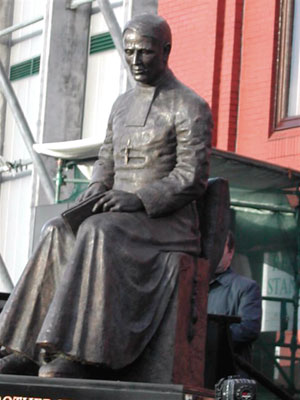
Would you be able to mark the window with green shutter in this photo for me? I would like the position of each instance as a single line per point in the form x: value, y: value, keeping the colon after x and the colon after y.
x: 25, y: 69
x: 101, y: 42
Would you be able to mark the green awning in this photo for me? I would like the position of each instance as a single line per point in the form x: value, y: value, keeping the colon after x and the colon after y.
x: 247, y: 173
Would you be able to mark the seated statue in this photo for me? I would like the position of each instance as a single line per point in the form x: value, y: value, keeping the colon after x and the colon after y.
x: 95, y: 299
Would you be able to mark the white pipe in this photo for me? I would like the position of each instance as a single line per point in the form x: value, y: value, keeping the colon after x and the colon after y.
x: 116, y: 34
x: 28, y: 36
x: 14, y: 176
x: 76, y: 3
x: 5, y: 277
x: 14, y: 28
x: 11, y: 98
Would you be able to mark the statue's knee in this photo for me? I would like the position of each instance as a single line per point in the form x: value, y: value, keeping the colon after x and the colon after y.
x: 52, y: 224
x: 105, y: 222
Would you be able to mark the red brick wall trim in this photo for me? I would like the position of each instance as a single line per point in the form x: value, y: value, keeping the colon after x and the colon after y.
x: 226, y: 72
x: 219, y: 37
x: 235, y: 76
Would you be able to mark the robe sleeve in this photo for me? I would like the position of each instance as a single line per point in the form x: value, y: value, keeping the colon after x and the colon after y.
x: 188, y: 180
x: 103, y: 169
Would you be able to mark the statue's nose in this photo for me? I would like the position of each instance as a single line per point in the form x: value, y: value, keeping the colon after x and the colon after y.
x: 136, y: 59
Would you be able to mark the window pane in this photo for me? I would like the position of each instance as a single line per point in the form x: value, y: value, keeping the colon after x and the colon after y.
x: 294, y: 89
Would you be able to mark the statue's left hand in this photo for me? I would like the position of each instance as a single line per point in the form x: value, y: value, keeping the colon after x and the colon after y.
x: 117, y: 200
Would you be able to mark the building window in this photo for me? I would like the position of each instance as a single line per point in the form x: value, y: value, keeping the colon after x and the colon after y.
x: 288, y: 66
x: 294, y: 86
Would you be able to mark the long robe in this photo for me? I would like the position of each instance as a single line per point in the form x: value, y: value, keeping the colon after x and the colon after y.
x: 100, y: 297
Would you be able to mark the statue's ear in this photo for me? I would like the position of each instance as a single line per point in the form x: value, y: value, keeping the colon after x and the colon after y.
x: 167, y: 50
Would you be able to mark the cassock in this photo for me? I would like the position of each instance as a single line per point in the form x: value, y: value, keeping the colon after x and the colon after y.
x: 100, y: 297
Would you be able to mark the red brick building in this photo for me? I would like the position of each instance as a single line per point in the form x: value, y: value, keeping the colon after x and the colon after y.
x: 238, y: 55
x: 243, y: 57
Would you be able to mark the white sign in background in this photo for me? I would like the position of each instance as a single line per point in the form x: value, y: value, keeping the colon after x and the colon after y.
x: 280, y: 284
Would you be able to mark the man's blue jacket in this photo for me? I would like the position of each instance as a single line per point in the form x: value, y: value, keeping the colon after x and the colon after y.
x: 233, y: 294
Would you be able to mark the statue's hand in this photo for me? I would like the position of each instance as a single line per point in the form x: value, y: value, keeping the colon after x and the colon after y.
x: 117, y: 200
x: 90, y: 191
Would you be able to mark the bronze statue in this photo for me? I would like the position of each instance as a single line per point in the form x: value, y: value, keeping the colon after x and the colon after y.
x: 97, y: 299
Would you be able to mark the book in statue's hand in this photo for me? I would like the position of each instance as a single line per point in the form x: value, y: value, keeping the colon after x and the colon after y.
x: 75, y: 215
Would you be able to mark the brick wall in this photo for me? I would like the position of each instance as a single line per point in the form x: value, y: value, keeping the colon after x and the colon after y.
x: 226, y: 51
x: 206, y: 55
x: 193, y: 27
x: 256, y: 135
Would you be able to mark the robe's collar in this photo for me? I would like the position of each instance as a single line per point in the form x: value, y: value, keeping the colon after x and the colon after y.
x: 141, y: 101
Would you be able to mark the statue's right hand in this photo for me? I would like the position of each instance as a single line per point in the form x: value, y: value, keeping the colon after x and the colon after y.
x: 90, y: 191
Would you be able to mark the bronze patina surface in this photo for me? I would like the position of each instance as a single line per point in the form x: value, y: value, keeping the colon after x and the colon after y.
x: 99, y: 297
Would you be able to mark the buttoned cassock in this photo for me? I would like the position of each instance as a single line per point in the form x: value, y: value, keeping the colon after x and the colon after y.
x: 100, y: 297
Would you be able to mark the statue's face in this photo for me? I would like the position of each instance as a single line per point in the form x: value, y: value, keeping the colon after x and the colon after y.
x: 146, y: 57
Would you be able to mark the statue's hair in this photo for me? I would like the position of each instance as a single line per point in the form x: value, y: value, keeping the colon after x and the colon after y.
x: 150, y: 25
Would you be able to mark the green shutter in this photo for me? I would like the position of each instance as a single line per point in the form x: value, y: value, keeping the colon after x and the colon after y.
x: 25, y: 69
x: 101, y: 42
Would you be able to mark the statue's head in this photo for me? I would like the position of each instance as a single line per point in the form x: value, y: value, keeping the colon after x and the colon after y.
x: 147, y: 44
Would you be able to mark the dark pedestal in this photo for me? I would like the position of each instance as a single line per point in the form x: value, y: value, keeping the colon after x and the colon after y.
x: 219, y: 357
x: 34, y: 388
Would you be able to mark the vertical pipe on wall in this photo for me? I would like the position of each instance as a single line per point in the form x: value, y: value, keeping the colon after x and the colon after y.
x: 6, y: 19
x: 4, y: 276
x: 115, y: 31
x: 11, y: 98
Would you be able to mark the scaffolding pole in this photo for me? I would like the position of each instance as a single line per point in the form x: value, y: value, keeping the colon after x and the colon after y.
x: 11, y: 98
x: 5, y: 277
x: 116, y: 34
x: 16, y: 27
x: 77, y: 3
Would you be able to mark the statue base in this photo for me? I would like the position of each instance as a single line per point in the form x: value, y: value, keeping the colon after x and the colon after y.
x: 13, y: 387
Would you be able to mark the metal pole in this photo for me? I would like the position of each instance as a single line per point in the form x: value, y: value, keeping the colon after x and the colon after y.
x: 4, y: 276
x: 13, y: 28
x: 258, y: 206
x: 116, y: 34
x: 294, y: 340
x: 77, y: 3
x: 28, y: 36
x: 13, y: 177
x: 11, y: 98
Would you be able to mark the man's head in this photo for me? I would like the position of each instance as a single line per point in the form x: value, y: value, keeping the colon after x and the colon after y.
x: 147, y: 44
x: 227, y: 254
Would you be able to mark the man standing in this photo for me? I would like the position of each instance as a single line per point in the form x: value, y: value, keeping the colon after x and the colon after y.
x: 98, y: 298
x: 233, y: 294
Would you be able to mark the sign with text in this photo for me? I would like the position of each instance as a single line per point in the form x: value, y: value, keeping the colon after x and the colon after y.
x: 278, y: 282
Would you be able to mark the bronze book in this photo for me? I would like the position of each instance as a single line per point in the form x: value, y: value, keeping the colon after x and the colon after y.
x: 75, y: 215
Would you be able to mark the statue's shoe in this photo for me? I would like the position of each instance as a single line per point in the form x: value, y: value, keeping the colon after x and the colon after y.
x: 16, y: 364
x: 62, y: 367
